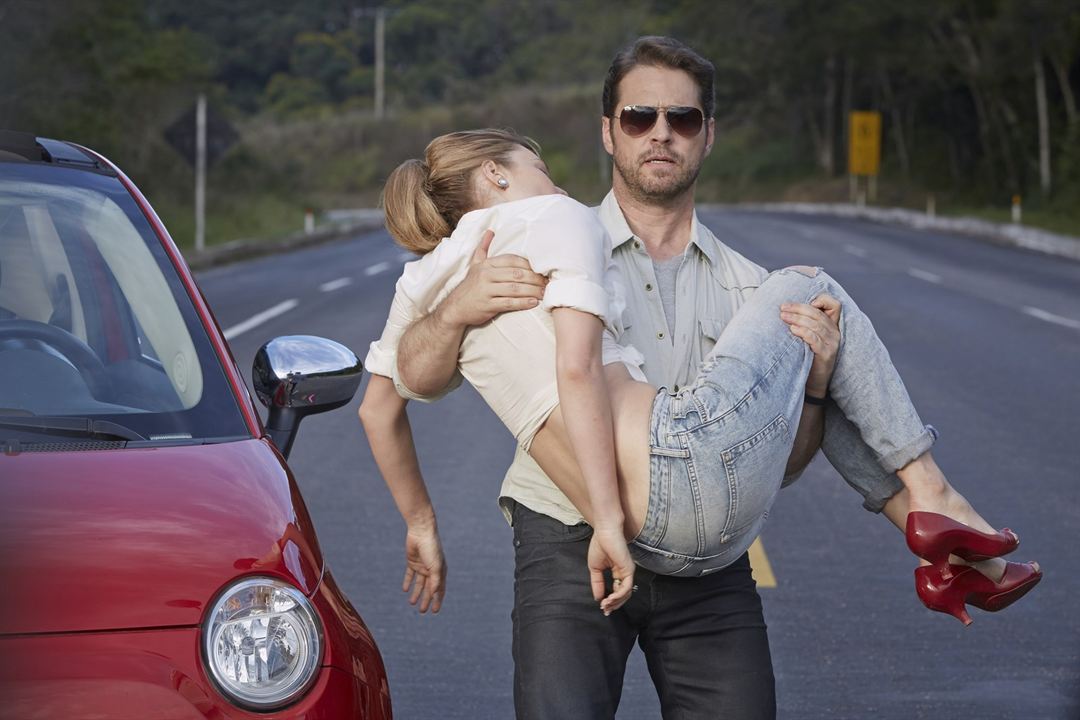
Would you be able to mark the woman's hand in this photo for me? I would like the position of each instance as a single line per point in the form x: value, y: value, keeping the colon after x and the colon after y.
x: 608, y: 551
x: 818, y: 325
x: 425, y: 568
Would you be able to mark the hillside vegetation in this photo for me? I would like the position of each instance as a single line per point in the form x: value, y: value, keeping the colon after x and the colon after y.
x: 978, y: 96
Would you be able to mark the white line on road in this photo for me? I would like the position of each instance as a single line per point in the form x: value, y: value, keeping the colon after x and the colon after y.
x: 335, y: 284
x: 256, y: 320
x: 1052, y: 318
x: 855, y: 250
x: 376, y: 268
x: 406, y: 257
x: 924, y: 275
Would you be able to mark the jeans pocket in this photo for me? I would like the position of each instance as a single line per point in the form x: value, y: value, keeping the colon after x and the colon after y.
x: 754, y: 469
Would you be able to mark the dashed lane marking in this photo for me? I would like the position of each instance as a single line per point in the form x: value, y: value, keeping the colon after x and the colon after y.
x: 376, y: 268
x: 924, y: 275
x: 855, y: 250
x: 256, y: 320
x: 1052, y: 318
x: 335, y: 284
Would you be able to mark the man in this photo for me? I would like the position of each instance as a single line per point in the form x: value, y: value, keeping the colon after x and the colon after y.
x: 704, y: 638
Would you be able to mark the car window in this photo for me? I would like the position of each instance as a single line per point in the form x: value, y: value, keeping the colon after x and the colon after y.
x: 94, y: 320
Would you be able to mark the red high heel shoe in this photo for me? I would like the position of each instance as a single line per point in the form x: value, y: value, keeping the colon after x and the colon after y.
x: 934, y: 537
x: 967, y: 585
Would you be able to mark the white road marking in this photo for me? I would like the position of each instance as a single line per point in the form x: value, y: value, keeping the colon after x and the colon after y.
x: 924, y: 275
x: 335, y: 284
x: 1052, y: 318
x: 406, y: 257
x: 855, y: 250
x: 376, y: 268
x: 256, y: 320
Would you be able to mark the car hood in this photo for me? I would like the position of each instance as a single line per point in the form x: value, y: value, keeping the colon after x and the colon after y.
x: 140, y: 538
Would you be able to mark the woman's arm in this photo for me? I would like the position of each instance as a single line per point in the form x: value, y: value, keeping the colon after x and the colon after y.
x: 586, y: 411
x: 386, y: 423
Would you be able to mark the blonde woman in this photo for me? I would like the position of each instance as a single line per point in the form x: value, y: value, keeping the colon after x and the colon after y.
x: 680, y: 484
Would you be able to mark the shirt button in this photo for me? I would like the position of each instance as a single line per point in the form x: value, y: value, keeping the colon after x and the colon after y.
x: 660, y: 335
x: 676, y: 388
x: 637, y: 245
x: 648, y: 286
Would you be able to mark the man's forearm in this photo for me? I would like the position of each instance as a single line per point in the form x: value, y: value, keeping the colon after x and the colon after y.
x: 427, y: 354
x: 807, y: 438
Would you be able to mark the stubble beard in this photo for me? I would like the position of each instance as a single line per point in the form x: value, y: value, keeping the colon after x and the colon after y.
x: 660, y: 188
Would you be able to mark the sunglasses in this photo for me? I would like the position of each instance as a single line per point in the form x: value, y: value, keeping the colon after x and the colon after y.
x: 636, y: 120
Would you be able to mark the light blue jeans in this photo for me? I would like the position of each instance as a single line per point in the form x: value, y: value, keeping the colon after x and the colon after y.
x: 719, y: 447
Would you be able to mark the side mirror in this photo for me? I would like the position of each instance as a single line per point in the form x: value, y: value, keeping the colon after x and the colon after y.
x: 300, y: 375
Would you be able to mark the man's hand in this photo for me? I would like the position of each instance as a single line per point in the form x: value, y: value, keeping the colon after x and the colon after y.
x: 608, y: 551
x: 425, y: 569
x: 492, y: 286
x: 818, y: 325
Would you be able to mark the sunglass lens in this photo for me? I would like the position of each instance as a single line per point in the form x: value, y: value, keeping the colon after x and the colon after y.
x: 637, y: 120
x: 686, y: 121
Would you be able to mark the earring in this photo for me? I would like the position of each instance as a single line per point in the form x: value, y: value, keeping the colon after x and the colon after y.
x: 503, y: 183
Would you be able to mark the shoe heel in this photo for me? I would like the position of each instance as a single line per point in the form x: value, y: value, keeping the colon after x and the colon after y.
x: 939, y: 595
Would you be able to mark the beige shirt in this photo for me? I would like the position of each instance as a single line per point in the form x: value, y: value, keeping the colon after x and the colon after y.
x: 713, y: 283
x: 511, y: 360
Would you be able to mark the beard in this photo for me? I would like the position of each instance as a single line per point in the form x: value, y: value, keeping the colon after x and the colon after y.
x: 646, y: 184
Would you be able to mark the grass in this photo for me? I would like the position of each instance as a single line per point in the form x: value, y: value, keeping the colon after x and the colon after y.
x: 232, y: 216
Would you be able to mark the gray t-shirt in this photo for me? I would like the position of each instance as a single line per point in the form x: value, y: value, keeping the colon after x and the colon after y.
x: 666, y: 272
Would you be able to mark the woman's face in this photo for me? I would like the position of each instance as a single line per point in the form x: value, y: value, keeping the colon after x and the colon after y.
x: 526, y: 176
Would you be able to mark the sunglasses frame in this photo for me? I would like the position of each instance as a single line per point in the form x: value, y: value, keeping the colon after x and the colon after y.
x: 680, y: 111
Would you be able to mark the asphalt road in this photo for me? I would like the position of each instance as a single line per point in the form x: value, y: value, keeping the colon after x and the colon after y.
x: 987, y: 339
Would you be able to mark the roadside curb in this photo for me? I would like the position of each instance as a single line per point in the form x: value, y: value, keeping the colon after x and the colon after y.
x: 1013, y: 235
x: 248, y: 248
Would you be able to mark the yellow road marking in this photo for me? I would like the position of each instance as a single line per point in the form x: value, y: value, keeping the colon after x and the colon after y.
x: 759, y: 561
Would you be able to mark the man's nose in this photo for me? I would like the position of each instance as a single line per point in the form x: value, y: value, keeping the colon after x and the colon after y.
x: 661, y: 131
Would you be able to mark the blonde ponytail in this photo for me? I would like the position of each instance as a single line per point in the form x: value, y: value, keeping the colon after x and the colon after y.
x: 423, y: 200
x: 412, y: 217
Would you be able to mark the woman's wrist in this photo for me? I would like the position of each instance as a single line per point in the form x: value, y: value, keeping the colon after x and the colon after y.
x: 421, y: 521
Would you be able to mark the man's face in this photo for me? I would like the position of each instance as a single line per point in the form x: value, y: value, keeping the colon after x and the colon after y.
x: 660, y: 164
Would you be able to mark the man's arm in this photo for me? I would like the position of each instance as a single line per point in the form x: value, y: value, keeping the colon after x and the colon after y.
x: 428, y: 351
x: 817, y: 324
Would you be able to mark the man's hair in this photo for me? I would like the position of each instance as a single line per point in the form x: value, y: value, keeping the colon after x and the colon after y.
x: 664, y: 52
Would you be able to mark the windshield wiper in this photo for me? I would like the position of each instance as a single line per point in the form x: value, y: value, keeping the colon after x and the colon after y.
x: 62, y: 425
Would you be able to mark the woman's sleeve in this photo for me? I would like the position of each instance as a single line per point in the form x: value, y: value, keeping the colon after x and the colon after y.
x: 382, y: 354
x: 568, y: 244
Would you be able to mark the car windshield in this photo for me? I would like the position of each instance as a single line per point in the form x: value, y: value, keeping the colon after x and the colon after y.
x: 95, y: 323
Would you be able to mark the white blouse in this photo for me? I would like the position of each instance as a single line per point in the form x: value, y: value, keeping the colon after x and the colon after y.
x: 511, y: 360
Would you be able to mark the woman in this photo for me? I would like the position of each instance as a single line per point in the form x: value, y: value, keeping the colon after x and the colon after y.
x: 690, y: 478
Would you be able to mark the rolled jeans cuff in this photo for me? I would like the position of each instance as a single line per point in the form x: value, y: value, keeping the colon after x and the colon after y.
x: 900, y: 457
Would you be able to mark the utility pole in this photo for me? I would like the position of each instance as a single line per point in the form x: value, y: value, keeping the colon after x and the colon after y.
x: 380, y: 53
x: 380, y: 63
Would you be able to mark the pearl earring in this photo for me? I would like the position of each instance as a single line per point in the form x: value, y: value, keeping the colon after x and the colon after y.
x: 503, y: 183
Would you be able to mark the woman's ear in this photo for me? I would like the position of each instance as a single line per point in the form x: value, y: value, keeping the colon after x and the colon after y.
x: 491, y: 172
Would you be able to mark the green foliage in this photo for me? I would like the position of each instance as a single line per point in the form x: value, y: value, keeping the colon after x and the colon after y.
x: 954, y: 81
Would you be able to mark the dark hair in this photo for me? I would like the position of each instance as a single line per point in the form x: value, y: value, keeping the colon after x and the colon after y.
x: 424, y: 199
x: 665, y: 52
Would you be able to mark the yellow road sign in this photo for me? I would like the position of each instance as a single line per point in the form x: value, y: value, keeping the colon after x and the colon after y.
x: 864, y: 148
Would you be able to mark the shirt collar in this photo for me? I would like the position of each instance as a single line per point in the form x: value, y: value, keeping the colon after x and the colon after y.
x: 611, y: 215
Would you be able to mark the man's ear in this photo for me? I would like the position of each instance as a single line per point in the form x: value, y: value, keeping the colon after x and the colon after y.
x: 605, y: 134
x: 710, y: 135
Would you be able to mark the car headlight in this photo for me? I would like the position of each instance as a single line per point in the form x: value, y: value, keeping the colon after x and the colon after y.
x: 262, y: 642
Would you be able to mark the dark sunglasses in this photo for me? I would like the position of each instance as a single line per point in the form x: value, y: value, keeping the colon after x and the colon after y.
x: 636, y: 120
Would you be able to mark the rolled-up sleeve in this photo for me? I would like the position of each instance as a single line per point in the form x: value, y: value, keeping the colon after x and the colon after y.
x: 568, y: 244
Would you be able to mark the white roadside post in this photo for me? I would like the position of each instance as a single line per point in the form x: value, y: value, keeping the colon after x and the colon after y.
x: 200, y: 173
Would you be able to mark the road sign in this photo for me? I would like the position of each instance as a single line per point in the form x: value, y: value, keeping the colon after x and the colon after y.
x: 864, y: 148
x: 220, y: 135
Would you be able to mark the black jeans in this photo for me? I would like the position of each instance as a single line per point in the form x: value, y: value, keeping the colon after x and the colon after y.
x: 704, y: 638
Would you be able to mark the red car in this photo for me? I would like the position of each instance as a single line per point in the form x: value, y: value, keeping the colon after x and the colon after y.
x: 157, y: 559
